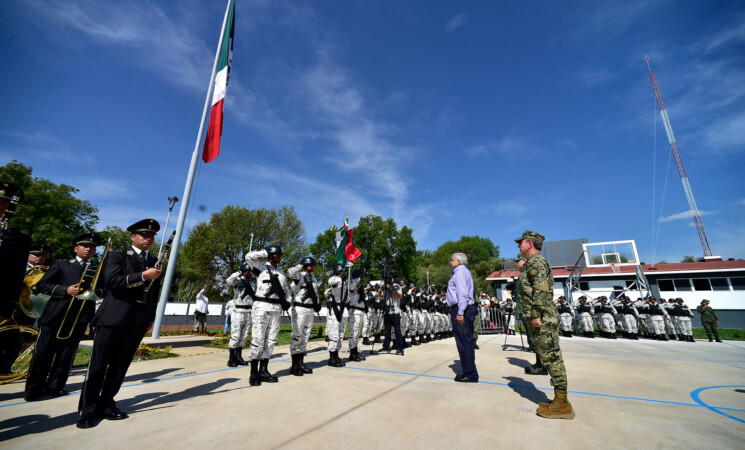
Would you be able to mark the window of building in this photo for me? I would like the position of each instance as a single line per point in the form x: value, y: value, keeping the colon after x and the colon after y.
x: 629, y: 283
x: 682, y: 285
x: 738, y: 284
x: 701, y: 284
x: 719, y: 284
x: 665, y: 285
x: 584, y: 286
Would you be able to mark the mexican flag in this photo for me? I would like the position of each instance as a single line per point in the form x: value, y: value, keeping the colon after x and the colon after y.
x: 222, y: 76
x: 346, y: 252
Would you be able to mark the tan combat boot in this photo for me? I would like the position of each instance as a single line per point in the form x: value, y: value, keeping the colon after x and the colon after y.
x: 559, y: 408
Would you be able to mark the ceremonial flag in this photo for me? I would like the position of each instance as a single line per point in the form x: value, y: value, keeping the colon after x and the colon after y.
x: 222, y: 76
x: 346, y: 252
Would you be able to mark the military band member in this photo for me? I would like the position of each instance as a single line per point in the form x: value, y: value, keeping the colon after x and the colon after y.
x: 305, y: 304
x: 337, y: 297
x: 244, y: 292
x: 121, y: 321
x: 272, y: 296
x: 53, y: 356
x: 357, y: 310
x: 14, y: 253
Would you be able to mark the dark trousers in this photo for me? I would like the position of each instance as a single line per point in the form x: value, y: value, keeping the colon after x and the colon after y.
x: 395, y: 321
x: 53, y: 358
x: 464, y: 340
x: 113, y: 350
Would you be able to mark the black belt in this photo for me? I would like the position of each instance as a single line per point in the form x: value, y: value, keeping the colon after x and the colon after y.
x: 242, y: 306
x: 273, y: 301
x: 304, y: 305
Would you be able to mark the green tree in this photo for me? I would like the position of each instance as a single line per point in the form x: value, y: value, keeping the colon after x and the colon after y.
x: 483, y: 259
x: 50, y: 213
x: 382, y: 243
x: 120, y: 238
x: 688, y: 259
x: 216, y: 248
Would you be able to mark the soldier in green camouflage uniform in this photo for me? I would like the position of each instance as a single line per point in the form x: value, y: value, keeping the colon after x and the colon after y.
x: 537, y: 289
x: 537, y: 368
x: 709, y: 319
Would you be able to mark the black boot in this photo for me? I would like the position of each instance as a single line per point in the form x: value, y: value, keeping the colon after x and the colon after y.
x: 334, y: 360
x: 475, y: 345
x: 690, y: 338
x: 301, y: 364
x: 239, y: 357
x: 295, y: 368
x: 365, y: 341
x: 354, y: 355
x: 264, y: 372
x: 611, y: 335
x: 254, y: 379
x: 414, y: 341
x: 232, y: 362
x: 709, y: 336
x: 664, y: 337
x: 377, y: 339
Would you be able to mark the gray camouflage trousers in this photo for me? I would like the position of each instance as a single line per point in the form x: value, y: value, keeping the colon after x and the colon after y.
x: 265, y: 330
x: 656, y: 324
x: 630, y: 323
x: 335, y: 330
x: 607, y: 323
x: 240, y: 324
x: 669, y: 326
x: 356, y: 318
x: 684, y: 324
x: 586, y: 320
x: 566, y: 322
x: 427, y: 322
x: 405, y: 316
x: 302, y: 324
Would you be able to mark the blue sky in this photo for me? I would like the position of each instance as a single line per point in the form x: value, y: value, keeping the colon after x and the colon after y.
x: 454, y: 118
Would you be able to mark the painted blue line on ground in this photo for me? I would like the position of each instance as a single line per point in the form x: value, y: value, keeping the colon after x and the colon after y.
x: 651, y: 400
x: 733, y: 345
x: 695, y: 395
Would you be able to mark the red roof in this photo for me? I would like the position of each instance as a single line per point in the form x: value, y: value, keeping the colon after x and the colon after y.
x: 630, y: 269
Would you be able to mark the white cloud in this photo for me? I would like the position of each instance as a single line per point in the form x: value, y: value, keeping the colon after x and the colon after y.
x: 740, y: 202
x: 456, y: 22
x: 685, y: 215
x: 726, y: 36
x: 105, y: 188
x: 513, y: 146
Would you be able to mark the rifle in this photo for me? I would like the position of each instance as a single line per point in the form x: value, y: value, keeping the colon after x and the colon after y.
x: 275, y: 287
x: 311, y: 292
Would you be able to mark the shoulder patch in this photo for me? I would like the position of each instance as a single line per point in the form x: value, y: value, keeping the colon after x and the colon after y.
x: 130, y: 252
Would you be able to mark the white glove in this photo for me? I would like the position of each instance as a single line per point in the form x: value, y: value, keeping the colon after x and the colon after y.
x: 256, y: 255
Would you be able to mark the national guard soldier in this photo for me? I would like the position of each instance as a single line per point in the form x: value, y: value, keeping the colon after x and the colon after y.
x: 683, y: 315
x: 378, y: 322
x: 669, y: 325
x: 337, y: 296
x: 272, y: 297
x: 606, y: 313
x: 405, y: 305
x: 537, y: 285
x: 415, y: 313
x: 368, y: 319
x: 629, y: 316
x: 132, y: 285
x: 244, y: 292
x: 709, y: 320
x: 656, y: 319
x: 586, y: 311
x: 566, y: 315
x: 419, y: 308
x: 509, y: 311
x: 357, y: 310
x: 60, y: 331
x: 642, y: 307
x: 306, y: 303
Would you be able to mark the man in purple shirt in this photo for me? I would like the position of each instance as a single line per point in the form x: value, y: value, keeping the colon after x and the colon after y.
x: 462, y: 313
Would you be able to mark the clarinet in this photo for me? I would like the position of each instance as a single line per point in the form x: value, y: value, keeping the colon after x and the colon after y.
x: 158, y: 265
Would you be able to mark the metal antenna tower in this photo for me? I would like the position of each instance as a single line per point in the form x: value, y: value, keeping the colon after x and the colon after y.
x: 679, y: 162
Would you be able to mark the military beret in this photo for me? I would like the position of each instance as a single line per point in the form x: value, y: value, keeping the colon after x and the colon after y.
x: 144, y: 226
x: 40, y: 249
x: 88, y: 239
x: 10, y: 190
x: 532, y: 235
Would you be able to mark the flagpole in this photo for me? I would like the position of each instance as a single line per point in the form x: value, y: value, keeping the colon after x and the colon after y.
x: 165, y: 291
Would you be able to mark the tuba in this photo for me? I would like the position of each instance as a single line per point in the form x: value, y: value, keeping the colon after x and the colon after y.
x: 33, y: 303
x: 26, y: 335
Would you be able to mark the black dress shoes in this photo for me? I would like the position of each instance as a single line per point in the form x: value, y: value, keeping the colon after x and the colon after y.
x: 464, y: 379
x: 33, y: 397
x: 86, y: 422
x: 114, y: 414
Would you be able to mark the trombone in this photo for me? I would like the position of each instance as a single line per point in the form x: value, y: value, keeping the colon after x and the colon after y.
x: 89, y: 281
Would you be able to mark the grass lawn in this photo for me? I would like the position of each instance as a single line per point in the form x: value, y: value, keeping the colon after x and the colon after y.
x: 284, y: 337
x: 143, y: 353
x: 726, y: 334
